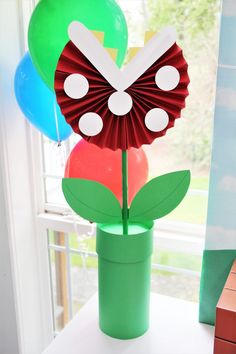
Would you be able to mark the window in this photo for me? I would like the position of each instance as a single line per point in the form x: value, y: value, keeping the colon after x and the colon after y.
x: 179, y: 237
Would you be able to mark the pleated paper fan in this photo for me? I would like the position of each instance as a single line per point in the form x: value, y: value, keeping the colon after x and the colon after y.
x: 120, y: 109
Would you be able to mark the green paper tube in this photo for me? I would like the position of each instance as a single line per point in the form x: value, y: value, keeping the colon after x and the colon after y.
x: 124, y: 272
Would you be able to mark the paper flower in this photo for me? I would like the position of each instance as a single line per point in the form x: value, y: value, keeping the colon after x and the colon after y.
x: 118, y: 110
x: 121, y: 109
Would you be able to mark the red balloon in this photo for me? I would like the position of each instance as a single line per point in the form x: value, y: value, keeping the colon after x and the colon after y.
x: 88, y: 161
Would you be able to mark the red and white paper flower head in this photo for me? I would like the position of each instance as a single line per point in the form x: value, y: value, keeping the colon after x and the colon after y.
x: 119, y: 109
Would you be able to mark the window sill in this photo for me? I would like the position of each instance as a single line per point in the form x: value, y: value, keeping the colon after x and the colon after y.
x: 174, y: 329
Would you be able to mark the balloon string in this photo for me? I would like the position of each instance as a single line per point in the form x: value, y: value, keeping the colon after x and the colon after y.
x: 62, y: 154
x: 56, y: 122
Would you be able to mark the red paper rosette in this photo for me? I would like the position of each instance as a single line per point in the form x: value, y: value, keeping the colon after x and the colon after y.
x: 150, y: 103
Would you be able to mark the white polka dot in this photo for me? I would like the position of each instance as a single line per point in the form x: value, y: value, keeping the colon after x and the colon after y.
x: 76, y: 86
x: 156, y: 119
x: 90, y: 124
x: 167, y: 78
x: 120, y: 103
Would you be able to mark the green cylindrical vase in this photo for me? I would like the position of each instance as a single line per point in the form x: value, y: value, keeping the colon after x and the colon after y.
x: 124, y: 272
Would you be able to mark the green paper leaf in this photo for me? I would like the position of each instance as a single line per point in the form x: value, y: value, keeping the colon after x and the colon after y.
x: 160, y: 196
x: 91, y: 200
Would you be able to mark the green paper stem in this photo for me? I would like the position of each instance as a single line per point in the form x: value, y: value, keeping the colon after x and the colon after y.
x: 125, y: 211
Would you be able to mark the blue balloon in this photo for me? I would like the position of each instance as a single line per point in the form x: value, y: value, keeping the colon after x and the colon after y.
x: 38, y: 102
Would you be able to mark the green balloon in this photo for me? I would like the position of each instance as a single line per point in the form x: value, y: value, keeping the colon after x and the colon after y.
x: 48, y: 26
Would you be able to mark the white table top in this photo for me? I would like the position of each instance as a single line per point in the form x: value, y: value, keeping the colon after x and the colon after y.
x: 174, y: 329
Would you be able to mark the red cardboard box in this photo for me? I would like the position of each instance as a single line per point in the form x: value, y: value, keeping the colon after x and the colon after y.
x: 226, y: 316
x: 223, y: 347
x: 233, y: 269
x: 231, y: 282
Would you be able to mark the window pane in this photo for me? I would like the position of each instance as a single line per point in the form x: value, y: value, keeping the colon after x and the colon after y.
x: 53, y: 190
x: 59, y: 283
x: 84, y: 279
x: 73, y: 268
x: 177, y: 285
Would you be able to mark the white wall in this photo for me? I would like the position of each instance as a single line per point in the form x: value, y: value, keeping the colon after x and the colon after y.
x: 8, y: 324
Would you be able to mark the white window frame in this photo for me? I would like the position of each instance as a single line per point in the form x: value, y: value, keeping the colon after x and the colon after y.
x: 20, y: 163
